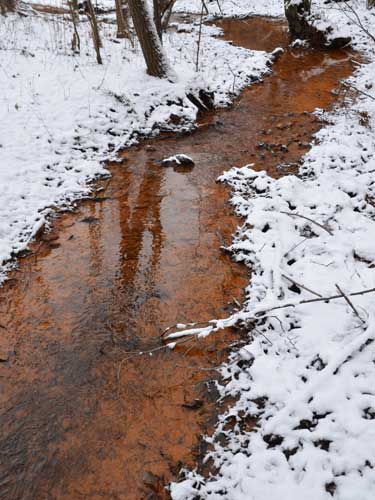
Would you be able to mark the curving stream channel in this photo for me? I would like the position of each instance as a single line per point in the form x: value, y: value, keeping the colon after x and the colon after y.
x: 143, y: 254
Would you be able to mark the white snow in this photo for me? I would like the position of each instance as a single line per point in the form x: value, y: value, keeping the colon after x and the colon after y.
x: 307, y: 372
x: 61, y: 114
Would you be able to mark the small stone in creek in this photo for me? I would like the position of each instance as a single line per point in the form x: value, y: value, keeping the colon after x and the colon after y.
x: 178, y: 160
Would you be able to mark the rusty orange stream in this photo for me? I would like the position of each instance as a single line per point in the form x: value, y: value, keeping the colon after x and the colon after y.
x: 110, y: 277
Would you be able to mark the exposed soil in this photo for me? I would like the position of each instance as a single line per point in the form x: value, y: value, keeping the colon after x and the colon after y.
x: 142, y: 255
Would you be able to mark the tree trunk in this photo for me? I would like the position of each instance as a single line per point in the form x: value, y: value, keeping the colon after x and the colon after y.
x: 157, y: 18
x: 156, y: 61
x: 297, y: 14
x: 76, y: 41
x: 121, y: 26
x: 7, y: 6
x: 90, y: 12
x: 167, y: 12
x: 303, y: 25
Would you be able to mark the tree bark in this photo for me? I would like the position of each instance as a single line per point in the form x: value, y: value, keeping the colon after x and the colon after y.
x: 76, y: 41
x: 121, y: 26
x: 156, y: 61
x: 90, y: 12
x: 157, y: 18
x: 7, y: 6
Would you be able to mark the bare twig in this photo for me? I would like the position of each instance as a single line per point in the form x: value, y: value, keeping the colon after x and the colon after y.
x: 219, y: 7
x: 263, y: 335
x: 357, y: 20
x: 322, y: 299
x: 234, y: 78
x: 346, y: 84
x: 150, y: 352
x: 349, y: 302
x: 295, y: 246
x: 301, y: 286
x: 291, y: 214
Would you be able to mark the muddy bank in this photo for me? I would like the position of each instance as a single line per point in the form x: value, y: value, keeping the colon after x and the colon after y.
x: 143, y: 254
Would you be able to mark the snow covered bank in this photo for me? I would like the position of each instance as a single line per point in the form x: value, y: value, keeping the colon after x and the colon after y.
x: 306, y: 376
x: 61, y: 114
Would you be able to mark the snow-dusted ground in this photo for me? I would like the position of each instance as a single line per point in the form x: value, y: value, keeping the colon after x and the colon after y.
x: 235, y: 8
x: 307, y: 372
x: 62, y: 114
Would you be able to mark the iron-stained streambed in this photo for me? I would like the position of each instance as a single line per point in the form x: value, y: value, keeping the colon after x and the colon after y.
x: 109, y: 278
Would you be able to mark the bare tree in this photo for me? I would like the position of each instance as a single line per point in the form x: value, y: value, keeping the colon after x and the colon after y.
x: 156, y: 61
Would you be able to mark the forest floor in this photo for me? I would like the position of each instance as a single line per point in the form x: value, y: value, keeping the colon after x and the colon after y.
x: 100, y: 284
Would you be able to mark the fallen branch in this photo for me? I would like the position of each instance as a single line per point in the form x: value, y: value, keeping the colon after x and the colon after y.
x: 216, y: 325
x: 295, y: 246
x: 301, y: 286
x: 150, y: 352
x: 311, y: 301
x: 350, y: 303
x: 291, y: 214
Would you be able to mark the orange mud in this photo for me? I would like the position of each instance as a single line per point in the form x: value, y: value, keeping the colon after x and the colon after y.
x: 142, y: 255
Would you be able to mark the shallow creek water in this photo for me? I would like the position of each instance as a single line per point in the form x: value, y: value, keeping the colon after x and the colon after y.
x: 142, y: 255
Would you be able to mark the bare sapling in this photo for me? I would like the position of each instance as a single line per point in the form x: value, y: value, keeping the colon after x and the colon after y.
x: 199, y: 36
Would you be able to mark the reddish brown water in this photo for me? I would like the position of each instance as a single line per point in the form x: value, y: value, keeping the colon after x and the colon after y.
x: 113, y: 275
